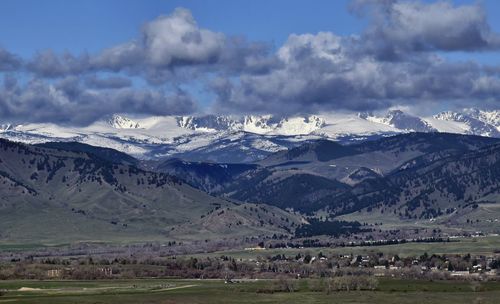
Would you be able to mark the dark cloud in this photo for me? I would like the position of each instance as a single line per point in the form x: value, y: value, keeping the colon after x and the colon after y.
x: 166, y: 42
x: 68, y: 101
x: 325, y: 72
x: 112, y: 82
x: 398, y: 60
x: 9, y: 61
x: 47, y: 64
x: 242, y: 56
x: 401, y: 27
x: 124, y: 56
x: 170, y: 48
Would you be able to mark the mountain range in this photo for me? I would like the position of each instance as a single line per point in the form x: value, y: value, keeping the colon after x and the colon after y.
x: 339, y: 179
x: 65, y: 191
x: 246, y: 138
x: 217, y: 179
x: 432, y: 181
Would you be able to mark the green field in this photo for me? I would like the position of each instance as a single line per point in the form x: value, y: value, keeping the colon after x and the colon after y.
x: 484, y: 218
x: 215, y: 291
x: 475, y: 246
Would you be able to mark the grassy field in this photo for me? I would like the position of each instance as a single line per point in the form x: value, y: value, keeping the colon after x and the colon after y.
x: 208, y: 291
x: 474, y: 246
x: 485, y: 218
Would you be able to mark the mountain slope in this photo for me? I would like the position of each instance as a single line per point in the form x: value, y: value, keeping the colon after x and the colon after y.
x: 209, y: 177
x: 106, y: 154
x: 476, y: 122
x: 335, y: 161
x: 320, y: 174
x: 285, y: 189
x: 402, y: 121
x: 451, y: 189
x: 53, y: 195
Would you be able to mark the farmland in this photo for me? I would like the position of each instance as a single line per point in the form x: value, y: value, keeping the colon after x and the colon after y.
x: 216, y: 291
x: 480, y: 246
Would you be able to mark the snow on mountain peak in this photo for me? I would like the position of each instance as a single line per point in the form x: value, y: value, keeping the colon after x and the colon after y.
x: 478, y: 122
x: 300, y: 125
x: 400, y: 120
x: 259, y: 124
x: 159, y: 136
x: 449, y: 115
x: 489, y: 117
x: 120, y: 122
x: 208, y: 123
x: 6, y: 127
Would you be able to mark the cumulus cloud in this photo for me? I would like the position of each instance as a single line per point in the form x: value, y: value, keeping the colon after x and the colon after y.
x: 326, y: 72
x: 399, y: 27
x: 167, y: 41
x: 318, y: 72
x: 176, y: 39
x: 398, y: 60
x: 168, y: 48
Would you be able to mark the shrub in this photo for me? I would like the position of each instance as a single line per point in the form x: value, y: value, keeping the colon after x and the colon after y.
x: 348, y: 283
x: 285, y: 285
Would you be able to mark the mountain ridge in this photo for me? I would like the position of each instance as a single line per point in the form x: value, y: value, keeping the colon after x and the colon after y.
x: 56, y: 195
x: 229, y: 138
x: 301, y: 180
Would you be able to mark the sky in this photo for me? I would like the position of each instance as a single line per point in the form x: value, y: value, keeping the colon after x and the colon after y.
x: 76, y: 61
x: 100, y: 24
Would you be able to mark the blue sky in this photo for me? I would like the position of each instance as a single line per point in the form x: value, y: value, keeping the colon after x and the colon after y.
x: 78, y: 25
x: 222, y: 76
x: 91, y: 25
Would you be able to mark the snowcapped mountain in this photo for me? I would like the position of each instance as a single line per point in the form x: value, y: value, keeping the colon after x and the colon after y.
x: 489, y: 117
x: 5, y: 127
x: 468, y: 121
x: 475, y: 122
x: 208, y: 123
x: 402, y: 121
x: 265, y: 124
x: 246, y: 138
x: 120, y: 122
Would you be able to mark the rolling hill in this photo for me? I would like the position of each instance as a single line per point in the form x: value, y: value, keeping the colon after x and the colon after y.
x: 56, y: 195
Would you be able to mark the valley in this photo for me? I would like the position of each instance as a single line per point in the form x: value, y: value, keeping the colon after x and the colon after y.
x: 320, y: 218
x: 171, y: 152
